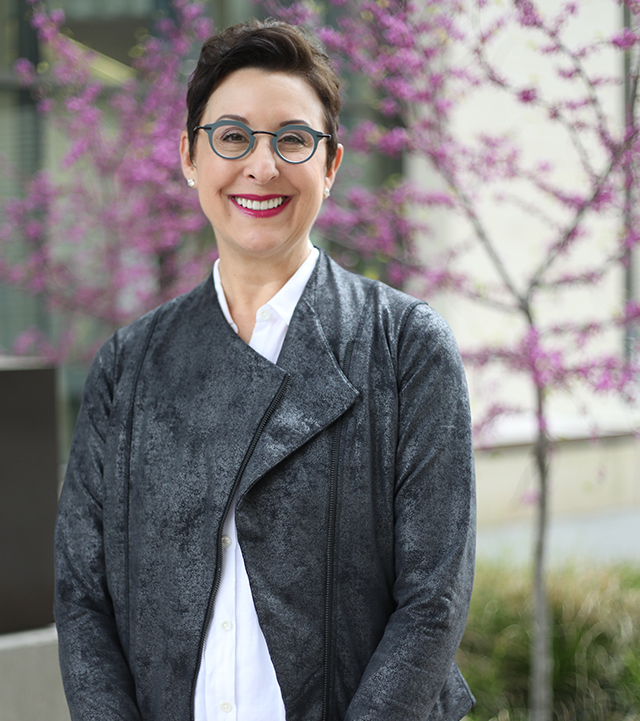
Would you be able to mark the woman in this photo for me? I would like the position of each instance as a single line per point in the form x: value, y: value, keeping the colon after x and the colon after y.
x: 269, y: 507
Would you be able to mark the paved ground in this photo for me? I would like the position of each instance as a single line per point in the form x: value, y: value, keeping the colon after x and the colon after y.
x: 604, y: 538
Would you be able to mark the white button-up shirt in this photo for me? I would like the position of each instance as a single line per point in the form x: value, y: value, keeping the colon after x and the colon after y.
x: 237, y: 680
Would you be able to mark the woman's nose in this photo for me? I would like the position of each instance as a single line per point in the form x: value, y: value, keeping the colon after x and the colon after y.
x: 262, y: 162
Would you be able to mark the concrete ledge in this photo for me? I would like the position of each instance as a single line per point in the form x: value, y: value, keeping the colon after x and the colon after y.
x: 607, y: 537
x: 30, y: 683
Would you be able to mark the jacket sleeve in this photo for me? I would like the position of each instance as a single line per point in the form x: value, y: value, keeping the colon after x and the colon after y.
x: 412, y: 675
x: 97, y: 681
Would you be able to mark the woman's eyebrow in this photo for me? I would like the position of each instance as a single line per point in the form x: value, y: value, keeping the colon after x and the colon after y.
x: 294, y: 121
x: 231, y: 116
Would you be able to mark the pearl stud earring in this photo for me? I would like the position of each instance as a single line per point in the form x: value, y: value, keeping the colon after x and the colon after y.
x: 191, y: 183
x: 326, y: 193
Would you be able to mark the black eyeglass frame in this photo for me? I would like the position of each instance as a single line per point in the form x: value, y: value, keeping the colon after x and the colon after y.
x: 210, y: 128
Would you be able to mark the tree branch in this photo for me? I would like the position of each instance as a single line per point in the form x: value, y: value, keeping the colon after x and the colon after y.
x: 568, y: 234
x: 485, y: 241
x: 553, y: 112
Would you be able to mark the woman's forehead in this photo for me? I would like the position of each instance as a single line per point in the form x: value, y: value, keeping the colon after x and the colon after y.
x: 252, y: 94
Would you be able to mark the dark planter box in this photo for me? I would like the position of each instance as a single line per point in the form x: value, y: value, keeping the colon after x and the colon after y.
x: 28, y: 494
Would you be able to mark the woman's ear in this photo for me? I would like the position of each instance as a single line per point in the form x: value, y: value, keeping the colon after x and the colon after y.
x: 333, y: 168
x: 188, y: 168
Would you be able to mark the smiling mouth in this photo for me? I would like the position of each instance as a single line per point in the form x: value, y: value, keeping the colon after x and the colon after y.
x: 259, y: 204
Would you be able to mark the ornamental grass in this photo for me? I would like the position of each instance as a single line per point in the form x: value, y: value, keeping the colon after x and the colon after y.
x: 596, y: 644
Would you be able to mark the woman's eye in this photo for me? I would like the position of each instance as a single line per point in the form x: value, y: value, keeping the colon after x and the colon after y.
x: 292, y: 139
x: 296, y: 140
x: 230, y: 141
x: 234, y: 136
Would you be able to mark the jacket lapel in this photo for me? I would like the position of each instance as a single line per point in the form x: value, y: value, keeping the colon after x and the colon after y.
x: 317, y: 393
x: 239, y: 386
x: 199, y: 404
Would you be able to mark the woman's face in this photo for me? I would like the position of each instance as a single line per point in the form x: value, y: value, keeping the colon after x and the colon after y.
x: 262, y: 100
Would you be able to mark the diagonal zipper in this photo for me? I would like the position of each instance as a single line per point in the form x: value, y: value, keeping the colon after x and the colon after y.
x: 216, y: 581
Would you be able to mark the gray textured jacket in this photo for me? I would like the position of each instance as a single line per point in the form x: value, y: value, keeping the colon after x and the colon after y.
x: 354, y: 465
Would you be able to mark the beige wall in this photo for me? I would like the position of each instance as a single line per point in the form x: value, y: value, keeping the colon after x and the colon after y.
x: 586, y: 476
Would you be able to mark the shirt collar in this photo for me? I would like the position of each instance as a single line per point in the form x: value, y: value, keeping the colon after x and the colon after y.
x: 285, y: 300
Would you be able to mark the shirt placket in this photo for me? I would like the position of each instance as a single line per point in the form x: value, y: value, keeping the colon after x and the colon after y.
x: 265, y: 337
x: 222, y: 704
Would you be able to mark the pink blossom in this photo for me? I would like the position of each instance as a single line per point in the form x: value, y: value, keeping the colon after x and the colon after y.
x: 527, y: 13
x: 46, y: 105
x: 389, y: 107
x: 631, y: 312
x: 567, y: 73
x: 528, y: 95
x: 603, y: 199
x: 530, y: 497
x: 25, y: 71
x: 632, y: 238
x: 394, y: 142
x: 438, y: 199
x: 624, y: 39
x: 57, y: 17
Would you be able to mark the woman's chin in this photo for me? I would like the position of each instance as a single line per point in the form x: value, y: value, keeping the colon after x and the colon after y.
x: 264, y: 246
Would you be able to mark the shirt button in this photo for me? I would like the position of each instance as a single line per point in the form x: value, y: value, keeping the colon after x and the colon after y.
x: 226, y: 706
x: 226, y: 625
x: 226, y: 541
x: 263, y: 314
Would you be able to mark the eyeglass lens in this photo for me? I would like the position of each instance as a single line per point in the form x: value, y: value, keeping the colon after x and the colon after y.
x: 294, y: 144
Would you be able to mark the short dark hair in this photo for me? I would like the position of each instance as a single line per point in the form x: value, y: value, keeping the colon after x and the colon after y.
x: 268, y: 45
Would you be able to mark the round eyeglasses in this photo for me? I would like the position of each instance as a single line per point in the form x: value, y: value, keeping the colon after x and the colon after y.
x: 232, y: 140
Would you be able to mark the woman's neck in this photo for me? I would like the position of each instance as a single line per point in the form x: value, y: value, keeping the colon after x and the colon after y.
x: 248, y: 285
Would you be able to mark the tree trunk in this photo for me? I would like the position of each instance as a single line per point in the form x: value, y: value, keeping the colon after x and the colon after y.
x: 541, y: 680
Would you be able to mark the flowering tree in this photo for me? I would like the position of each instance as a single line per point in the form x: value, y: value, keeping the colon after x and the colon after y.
x: 112, y: 231
x: 574, y: 223
x: 524, y: 233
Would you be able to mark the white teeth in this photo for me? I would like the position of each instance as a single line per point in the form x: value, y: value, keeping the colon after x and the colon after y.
x: 259, y: 204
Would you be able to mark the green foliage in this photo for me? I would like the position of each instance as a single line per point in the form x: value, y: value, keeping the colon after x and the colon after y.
x: 596, y: 644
